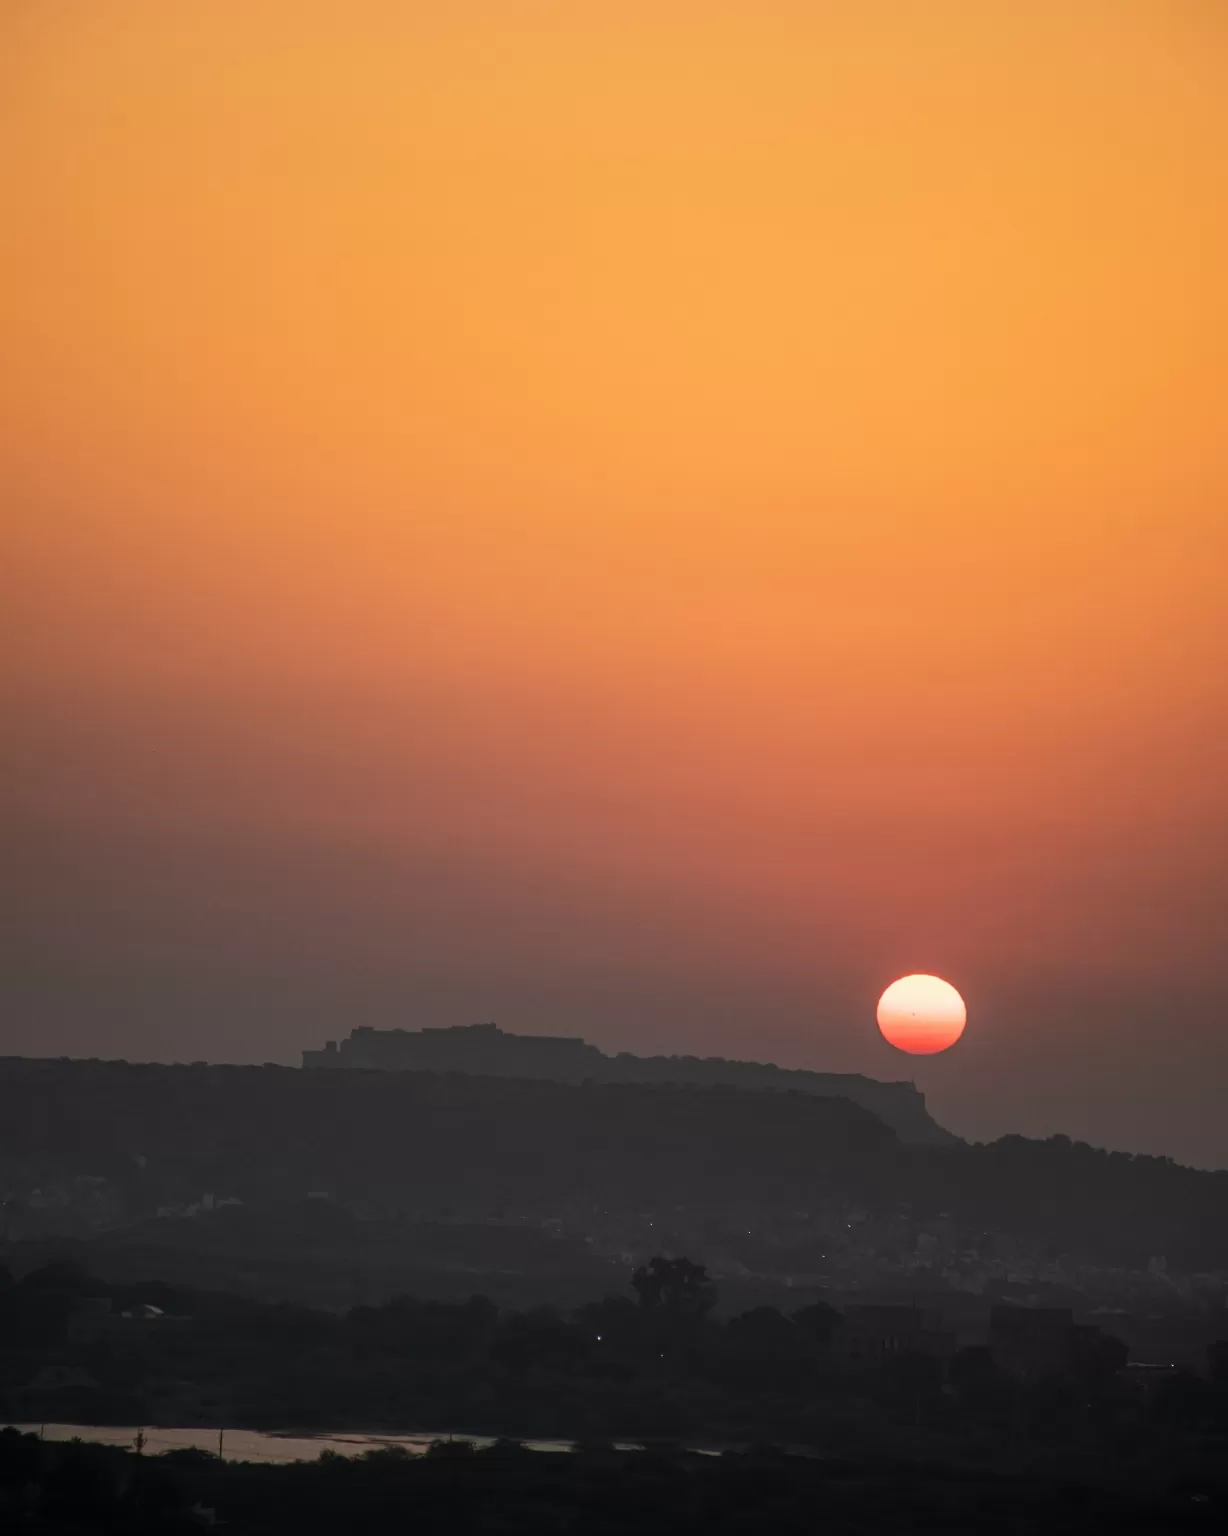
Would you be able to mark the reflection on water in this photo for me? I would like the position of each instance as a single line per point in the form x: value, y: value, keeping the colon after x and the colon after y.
x: 255, y: 1445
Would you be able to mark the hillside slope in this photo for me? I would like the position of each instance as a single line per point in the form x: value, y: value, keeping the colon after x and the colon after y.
x: 420, y: 1141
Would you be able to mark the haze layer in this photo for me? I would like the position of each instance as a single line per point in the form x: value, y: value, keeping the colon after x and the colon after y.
x: 648, y: 520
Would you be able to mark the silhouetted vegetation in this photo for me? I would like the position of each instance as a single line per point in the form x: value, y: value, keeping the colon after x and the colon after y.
x: 659, y: 1366
x: 679, y: 1287
x: 455, y: 1489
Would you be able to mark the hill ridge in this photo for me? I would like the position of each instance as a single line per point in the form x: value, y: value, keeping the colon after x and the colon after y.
x: 485, y: 1050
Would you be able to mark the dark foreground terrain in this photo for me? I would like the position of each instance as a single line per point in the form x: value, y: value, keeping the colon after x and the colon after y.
x: 83, y: 1490
x: 657, y: 1365
x: 319, y: 1237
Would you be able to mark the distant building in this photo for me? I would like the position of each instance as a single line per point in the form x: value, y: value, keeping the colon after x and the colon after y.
x: 879, y: 1332
x: 1146, y: 1379
x: 1046, y: 1341
x: 485, y: 1050
x: 1032, y: 1341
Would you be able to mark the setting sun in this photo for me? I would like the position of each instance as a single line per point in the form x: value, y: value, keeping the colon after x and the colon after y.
x: 921, y: 1015
x: 632, y: 518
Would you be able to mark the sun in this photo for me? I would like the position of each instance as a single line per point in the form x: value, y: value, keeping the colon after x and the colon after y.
x: 921, y: 1015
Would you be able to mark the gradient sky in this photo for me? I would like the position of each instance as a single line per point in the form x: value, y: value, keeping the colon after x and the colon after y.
x: 638, y: 519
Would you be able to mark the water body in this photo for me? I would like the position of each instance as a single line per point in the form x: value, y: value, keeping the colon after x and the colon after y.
x: 257, y: 1445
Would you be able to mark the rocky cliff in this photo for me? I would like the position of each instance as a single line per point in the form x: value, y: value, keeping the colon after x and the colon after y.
x: 488, y: 1051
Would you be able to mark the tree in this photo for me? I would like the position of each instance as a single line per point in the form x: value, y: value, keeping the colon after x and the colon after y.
x: 820, y: 1323
x: 614, y: 1322
x: 676, y: 1286
x: 60, y: 1277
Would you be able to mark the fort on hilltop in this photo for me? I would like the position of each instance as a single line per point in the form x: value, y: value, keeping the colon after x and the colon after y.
x: 487, y: 1051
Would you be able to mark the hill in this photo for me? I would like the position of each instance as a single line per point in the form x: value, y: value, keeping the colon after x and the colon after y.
x: 487, y: 1051
x: 397, y: 1145
x: 421, y: 1140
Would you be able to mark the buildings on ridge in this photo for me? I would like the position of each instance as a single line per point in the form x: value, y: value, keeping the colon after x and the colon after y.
x: 485, y: 1050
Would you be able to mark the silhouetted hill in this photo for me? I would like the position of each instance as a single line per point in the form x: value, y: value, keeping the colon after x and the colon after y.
x: 899, y: 1105
x: 422, y: 1140
x: 487, y: 1051
x: 417, y: 1142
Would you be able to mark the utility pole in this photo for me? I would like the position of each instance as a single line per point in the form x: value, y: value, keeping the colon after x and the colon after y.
x: 221, y: 1434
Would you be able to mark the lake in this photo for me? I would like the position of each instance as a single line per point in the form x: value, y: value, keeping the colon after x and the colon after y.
x: 257, y: 1445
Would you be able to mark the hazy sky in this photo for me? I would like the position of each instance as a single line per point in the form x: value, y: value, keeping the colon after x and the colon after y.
x: 637, y: 519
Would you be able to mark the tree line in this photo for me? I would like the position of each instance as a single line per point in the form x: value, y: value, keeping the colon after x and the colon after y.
x: 656, y: 1363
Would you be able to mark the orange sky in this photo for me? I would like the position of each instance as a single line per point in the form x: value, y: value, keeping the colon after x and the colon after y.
x: 645, y: 519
